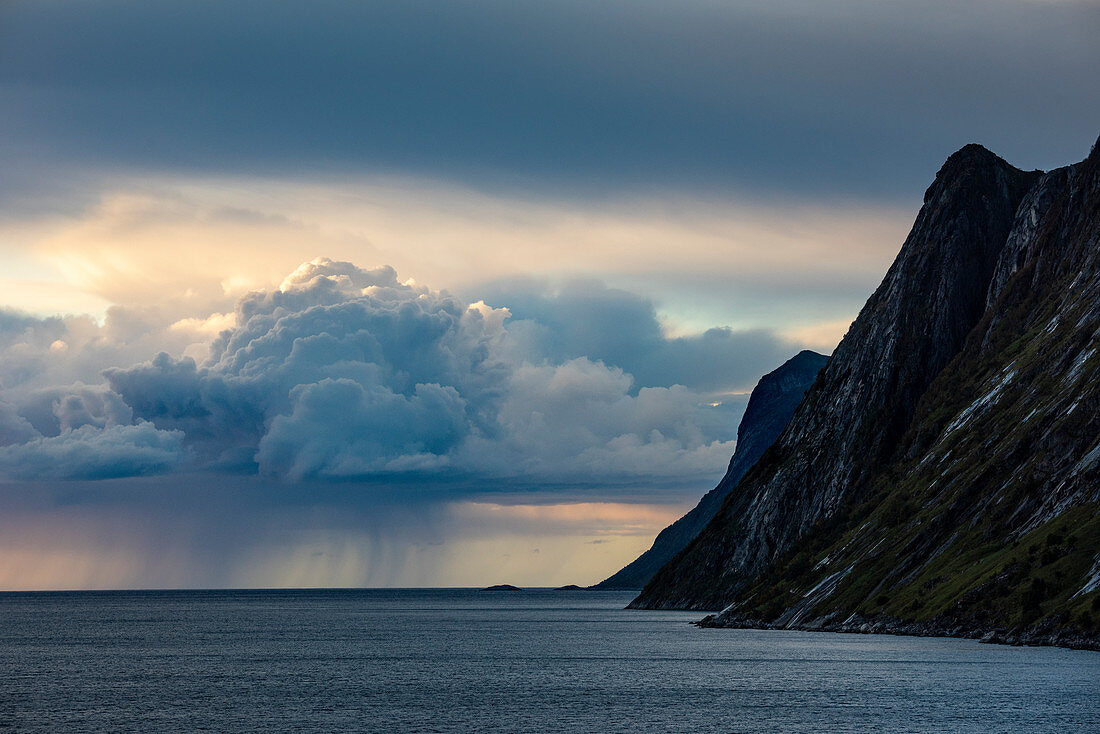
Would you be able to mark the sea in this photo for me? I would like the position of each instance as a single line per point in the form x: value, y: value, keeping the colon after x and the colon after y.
x: 464, y: 660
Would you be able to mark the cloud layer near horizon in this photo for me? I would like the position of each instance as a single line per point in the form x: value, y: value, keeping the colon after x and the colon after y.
x: 346, y: 374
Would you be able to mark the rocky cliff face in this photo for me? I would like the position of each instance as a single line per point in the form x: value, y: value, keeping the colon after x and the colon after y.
x: 771, y: 405
x: 944, y: 472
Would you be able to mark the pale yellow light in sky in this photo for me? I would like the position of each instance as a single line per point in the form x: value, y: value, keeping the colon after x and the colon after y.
x: 199, y: 244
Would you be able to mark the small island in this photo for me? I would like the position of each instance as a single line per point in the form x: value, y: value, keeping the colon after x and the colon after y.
x: 502, y: 587
x: 570, y: 587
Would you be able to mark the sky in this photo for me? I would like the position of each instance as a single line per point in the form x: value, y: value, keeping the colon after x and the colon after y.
x: 431, y: 293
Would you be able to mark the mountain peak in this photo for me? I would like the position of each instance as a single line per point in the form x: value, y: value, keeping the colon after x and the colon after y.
x: 806, y: 355
x: 942, y: 475
x: 974, y: 150
x: 861, y: 405
x: 969, y: 166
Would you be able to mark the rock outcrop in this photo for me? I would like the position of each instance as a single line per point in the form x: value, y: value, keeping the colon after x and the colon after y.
x: 770, y: 407
x: 944, y: 471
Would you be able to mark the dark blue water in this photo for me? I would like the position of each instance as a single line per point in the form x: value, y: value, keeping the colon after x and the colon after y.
x: 457, y: 660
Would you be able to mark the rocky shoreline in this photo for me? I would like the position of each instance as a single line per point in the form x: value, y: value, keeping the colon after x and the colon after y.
x: 1044, y: 634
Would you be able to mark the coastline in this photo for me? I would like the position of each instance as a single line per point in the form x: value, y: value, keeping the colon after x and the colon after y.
x: 1038, y: 635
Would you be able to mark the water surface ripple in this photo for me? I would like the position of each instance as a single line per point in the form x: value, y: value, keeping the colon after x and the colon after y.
x: 468, y: 661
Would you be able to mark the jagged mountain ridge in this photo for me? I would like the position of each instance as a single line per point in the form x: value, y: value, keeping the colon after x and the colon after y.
x: 942, y: 472
x: 770, y: 407
x: 870, y: 386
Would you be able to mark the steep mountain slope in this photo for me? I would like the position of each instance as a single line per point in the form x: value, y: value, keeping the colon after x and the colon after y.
x: 771, y: 405
x: 915, y: 323
x: 943, y: 475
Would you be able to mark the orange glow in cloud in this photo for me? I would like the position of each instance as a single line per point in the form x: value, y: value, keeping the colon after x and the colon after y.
x: 204, y: 243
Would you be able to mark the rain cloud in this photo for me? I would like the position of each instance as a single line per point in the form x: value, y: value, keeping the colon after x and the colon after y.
x: 351, y: 375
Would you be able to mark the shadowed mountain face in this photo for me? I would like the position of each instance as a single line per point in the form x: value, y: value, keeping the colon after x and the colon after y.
x: 944, y: 467
x: 771, y: 405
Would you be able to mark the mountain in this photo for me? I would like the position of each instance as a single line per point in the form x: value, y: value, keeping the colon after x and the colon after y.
x: 771, y: 404
x: 942, y: 476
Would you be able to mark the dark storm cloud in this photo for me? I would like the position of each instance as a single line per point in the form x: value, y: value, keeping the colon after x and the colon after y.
x: 91, y: 453
x: 81, y: 432
x: 586, y: 318
x: 850, y: 97
x: 345, y: 374
x: 57, y: 410
x: 14, y: 428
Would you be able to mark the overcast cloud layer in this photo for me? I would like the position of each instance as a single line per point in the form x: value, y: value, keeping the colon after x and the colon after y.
x: 851, y: 97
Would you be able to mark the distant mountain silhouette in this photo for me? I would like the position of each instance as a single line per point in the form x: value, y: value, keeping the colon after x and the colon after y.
x: 771, y: 404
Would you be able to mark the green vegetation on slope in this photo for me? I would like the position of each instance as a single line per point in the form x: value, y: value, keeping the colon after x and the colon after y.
x: 942, y: 534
